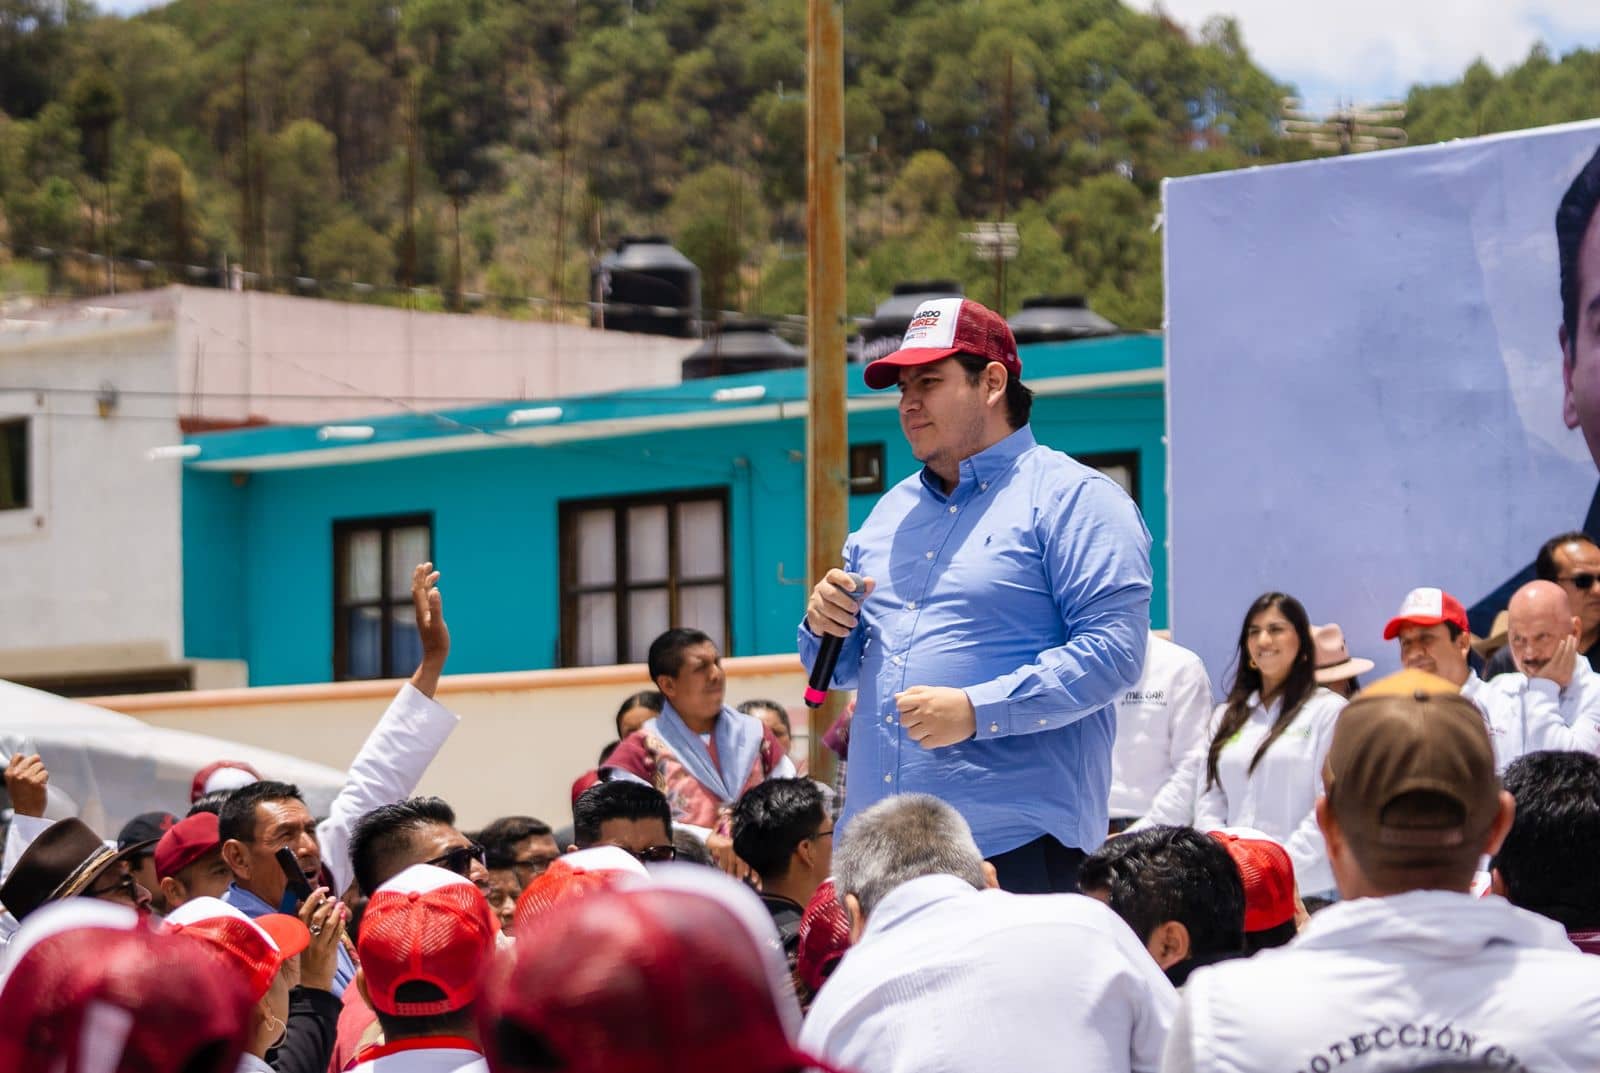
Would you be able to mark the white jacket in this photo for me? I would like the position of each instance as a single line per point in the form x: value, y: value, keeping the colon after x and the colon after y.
x: 1395, y: 983
x: 1160, y: 722
x: 948, y: 979
x: 1536, y: 714
x: 1278, y: 798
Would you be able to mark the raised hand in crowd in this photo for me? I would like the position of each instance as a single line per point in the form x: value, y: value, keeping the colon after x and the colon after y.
x: 834, y: 603
x: 431, y: 628
x: 26, y: 781
x: 324, y: 917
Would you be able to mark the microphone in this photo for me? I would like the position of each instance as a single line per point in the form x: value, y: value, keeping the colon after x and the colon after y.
x: 828, y: 658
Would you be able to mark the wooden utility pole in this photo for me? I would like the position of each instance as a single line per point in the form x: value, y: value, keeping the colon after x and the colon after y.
x: 827, y: 482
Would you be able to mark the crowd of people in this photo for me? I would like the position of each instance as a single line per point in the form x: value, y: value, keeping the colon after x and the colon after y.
x: 1045, y: 847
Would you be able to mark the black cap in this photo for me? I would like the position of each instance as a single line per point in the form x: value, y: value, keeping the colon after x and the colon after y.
x: 145, y: 827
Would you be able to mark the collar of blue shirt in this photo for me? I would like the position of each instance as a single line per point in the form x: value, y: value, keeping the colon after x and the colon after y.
x: 988, y: 464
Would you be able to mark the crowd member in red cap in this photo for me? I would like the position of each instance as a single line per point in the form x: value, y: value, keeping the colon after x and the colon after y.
x: 426, y: 939
x: 947, y: 973
x: 220, y: 776
x: 1272, y: 909
x: 651, y: 981
x: 386, y: 842
x: 260, y: 951
x: 100, y: 992
x: 1431, y: 627
x: 1410, y: 967
x: 1179, y: 892
x: 188, y: 861
x: 576, y: 875
x: 1006, y: 592
x: 824, y: 937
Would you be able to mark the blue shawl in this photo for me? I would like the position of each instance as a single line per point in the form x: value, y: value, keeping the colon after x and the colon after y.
x: 737, y: 737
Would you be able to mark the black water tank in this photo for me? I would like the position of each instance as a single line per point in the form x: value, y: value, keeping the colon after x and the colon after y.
x: 881, y: 334
x: 647, y: 286
x: 1050, y: 319
x: 742, y: 346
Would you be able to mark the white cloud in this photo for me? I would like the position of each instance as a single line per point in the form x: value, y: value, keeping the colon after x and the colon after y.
x: 1374, y: 48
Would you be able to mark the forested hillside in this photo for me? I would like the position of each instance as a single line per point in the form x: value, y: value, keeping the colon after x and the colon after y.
x: 355, y: 140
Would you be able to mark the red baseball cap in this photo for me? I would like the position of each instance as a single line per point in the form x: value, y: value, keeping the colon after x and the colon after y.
x: 428, y: 926
x: 100, y: 998
x: 574, y: 876
x: 1268, y: 876
x: 652, y: 980
x: 257, y: 946
x: 186, y: 842
x: 1426, y: 607
x: 824, y: 937
x: 941, y: 328
x: 221, y: 775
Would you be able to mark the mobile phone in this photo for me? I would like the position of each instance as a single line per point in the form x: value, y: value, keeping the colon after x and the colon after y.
x: 298, y: 888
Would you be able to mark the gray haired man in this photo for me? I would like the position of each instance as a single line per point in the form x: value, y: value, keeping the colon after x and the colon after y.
x: 935, y: 940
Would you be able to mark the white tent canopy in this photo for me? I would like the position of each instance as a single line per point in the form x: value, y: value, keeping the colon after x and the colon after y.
x: 106, y: 767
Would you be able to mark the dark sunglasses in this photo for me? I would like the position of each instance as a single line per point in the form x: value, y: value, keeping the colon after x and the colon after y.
x: 459, y: 860
x: 125, y: 886
x: 656, y: 854
x: 1583, y: 581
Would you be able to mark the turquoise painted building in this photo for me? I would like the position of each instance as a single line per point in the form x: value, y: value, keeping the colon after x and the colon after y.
x: 572, y: 531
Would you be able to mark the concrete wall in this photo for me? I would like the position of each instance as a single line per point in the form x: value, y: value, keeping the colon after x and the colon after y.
x: 522, y: 740
x: 306, y: 360
x: 92, y: 569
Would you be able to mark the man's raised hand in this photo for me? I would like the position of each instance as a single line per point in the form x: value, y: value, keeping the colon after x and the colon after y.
x: 431, y: 628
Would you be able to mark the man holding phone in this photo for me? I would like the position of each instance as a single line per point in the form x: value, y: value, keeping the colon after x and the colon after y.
x: 277, y: 851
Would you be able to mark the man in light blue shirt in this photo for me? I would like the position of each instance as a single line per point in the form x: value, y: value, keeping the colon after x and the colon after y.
x: 1006, y: 605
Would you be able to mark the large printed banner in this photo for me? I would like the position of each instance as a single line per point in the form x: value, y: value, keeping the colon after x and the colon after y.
x: 1365, y: 384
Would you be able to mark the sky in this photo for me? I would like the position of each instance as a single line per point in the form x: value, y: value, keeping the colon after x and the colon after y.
x: 1366, y: 50
x: 1374, y: 50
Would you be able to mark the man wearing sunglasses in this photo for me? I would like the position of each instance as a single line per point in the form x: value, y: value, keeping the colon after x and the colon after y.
x: 1572, y: 561
x: 627, y: 814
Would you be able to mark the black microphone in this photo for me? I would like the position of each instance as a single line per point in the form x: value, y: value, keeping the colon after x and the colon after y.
x: 828, y: 658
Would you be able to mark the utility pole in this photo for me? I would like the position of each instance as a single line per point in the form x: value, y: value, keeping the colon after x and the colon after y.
x: 827, y: 482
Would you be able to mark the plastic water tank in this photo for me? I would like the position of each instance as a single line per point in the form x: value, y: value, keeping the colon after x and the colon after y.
x: 646, y: 285
x: 742, y: 346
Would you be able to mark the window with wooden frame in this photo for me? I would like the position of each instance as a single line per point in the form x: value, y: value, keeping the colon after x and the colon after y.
x: 15, y: 464
x: 633, y: 567
x: 374, y: 623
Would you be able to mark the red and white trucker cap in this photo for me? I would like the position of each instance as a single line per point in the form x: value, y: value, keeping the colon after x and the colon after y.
x: 944, y: 327
x: 1426, y: 607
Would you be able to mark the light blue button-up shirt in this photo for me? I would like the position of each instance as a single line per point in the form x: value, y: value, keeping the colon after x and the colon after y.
x: 252, y: 906
x: 1027, y: 586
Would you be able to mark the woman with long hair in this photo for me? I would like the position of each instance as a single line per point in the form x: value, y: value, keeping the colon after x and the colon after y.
x: 1264, y: 766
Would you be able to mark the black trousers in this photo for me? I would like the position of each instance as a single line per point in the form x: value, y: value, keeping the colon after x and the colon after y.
x: 1043, y: 866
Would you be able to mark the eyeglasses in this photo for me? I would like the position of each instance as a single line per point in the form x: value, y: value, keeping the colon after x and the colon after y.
x: 459, y: 860
x: 125, y: 887
x: 534, y: 866
x: 820, y: 834
x: 1584, y: 581
x: 656, y: 854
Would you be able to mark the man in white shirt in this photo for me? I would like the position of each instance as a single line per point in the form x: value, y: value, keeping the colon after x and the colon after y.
x: 1410, y: 968
x: 950, y: 975
x: 1161, y: 725
x: 1555, y: 689
x: 1431, y: 627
